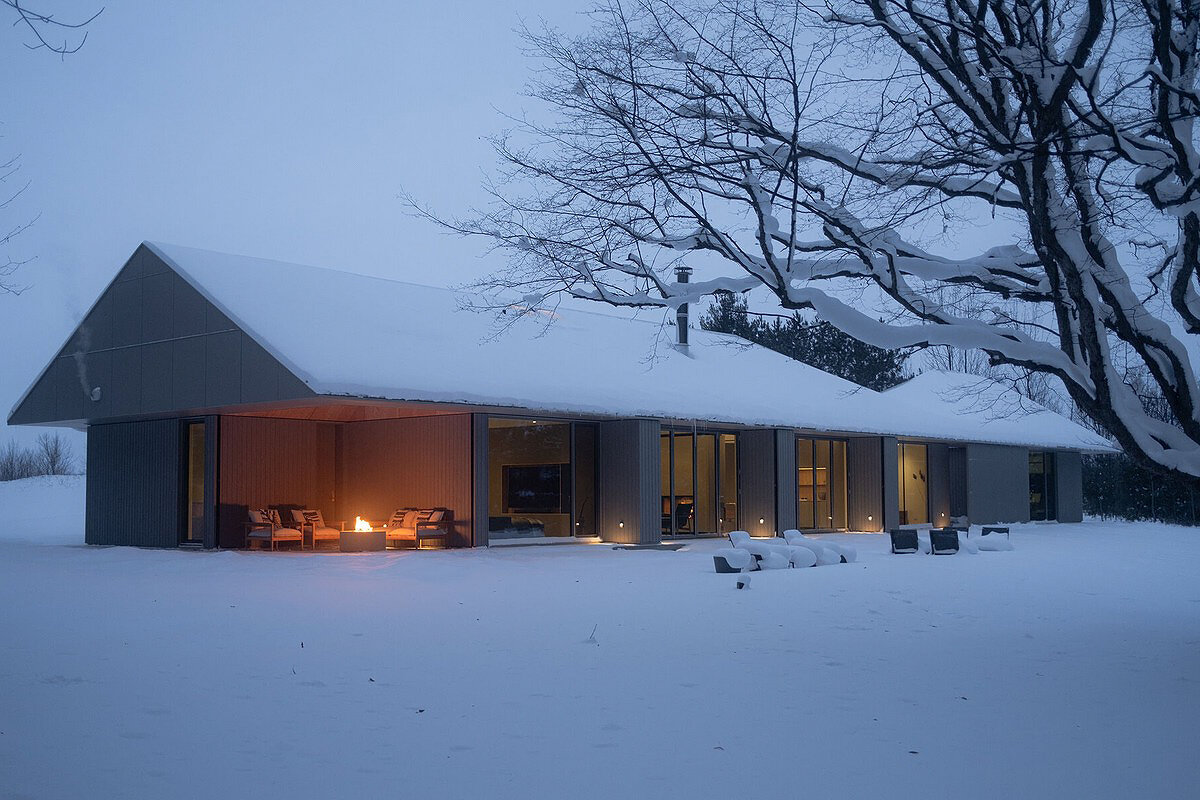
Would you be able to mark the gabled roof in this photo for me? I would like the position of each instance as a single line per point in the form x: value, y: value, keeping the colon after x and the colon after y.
x: 345, y: 334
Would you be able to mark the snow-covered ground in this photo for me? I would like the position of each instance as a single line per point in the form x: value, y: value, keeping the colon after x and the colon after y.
x: 1068, y: 668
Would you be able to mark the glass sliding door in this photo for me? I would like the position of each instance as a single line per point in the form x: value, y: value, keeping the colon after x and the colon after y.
x: 585, y: 461
x: 1042, y: 483
x: 699, y: 482
x: 530, y: 479
x: 912, y: 462
x: 727, y: 483
x: 821, y: 484
x: 195, y: 479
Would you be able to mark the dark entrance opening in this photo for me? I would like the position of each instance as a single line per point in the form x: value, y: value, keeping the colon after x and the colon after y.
x: 1043, y: 500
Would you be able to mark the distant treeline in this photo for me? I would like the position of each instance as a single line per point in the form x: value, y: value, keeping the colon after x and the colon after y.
x: 49, y: 455
x: 1114, y: 486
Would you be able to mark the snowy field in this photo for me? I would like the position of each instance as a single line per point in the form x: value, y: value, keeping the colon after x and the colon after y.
x: 1068, y: 668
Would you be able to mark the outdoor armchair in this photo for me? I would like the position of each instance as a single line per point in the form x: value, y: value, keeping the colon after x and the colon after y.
x: 266, y: 526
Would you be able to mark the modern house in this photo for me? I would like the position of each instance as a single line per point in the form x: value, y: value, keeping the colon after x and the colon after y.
x: 210, y: 384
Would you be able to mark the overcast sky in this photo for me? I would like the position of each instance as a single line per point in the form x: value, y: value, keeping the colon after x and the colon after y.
x: 277, y: 129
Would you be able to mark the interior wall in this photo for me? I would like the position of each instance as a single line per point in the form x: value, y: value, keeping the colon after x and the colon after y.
x: 273, y: 462
x: 939, y: 484
x: 421, y: 462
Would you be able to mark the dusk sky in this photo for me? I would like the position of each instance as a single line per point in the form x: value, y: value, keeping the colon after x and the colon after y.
x: 277, y: 129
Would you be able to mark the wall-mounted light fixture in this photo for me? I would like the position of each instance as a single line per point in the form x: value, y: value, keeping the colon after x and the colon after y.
x: 762, y: 521
x: 621, y: 524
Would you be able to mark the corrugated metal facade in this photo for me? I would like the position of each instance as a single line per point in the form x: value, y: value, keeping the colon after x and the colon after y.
x: 958, y: 481
x: 1069, y: 471
x: 757, y: 467
x: 630, y: 477
x: 785, y: 480
x: 891, y: 482
x: 939, y: 483
x: 997, y: 484
x: 134, y: 484
x: 479, y: 484
x: 864, y: 479
x: 420, y: 462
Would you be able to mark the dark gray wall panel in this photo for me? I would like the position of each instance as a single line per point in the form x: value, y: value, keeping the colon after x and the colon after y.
x: 785, y: 480
x: 134, y: 484
x: 157, y: 395
x: 188, y: 317
x: 629, y: 475
x: 126, y: 308
x: 124, y: 389
x: 864, y: 479
x: 1069, y: 469
x: 997, y: 484
x: 479, y: 471
x: 958, y: 481
x: 154, y: 345
x: 158, y: 310
x: 757, y: 476
x: 891, y: 482
x: 939, y: 484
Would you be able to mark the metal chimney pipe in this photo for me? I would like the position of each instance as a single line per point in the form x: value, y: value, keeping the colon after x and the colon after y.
x: 681, y: 313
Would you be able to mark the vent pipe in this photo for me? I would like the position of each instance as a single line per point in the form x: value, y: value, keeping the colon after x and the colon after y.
x: 681, y: 313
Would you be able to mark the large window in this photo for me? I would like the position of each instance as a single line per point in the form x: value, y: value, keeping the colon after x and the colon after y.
x: 541, y: 478
x: 1043, y: 502
x: 821, y: 484
x: 698, y: 475
x: 195, y: 511
x: 913, y: 465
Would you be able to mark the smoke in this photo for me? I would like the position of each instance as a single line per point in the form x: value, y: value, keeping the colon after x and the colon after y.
x: 80, y: 355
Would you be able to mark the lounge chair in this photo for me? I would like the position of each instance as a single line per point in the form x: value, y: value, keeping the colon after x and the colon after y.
x: 312, y: 521
x: 418, y: 525
x: 904, y: 540
x: 733, y: 559
x: 943, y: 541
x: 827, y: 552
x: 266, y: 526
x: 990, y: 529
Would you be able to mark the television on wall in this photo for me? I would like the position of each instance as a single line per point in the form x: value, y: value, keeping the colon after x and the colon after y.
x: 537, y: 489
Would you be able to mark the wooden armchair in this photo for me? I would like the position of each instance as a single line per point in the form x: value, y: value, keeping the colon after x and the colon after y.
x: 266, y: 526
x: 310, y: 520
x: 418, y: 525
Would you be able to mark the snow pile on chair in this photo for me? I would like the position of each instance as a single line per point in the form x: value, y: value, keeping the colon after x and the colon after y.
x: 794, y: 550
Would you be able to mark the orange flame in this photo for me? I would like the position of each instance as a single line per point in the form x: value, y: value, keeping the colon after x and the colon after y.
x: 361, y: 524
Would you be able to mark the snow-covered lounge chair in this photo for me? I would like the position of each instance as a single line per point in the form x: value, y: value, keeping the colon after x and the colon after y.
x: 904, y: 540
x: 734, y: 559
x: 990, y: 529
x: 311, y: 518
x: 266, y: 526
x: 760, y: 549
x: 799, y: 556
x: 841, y: 553
x: 943, y: 541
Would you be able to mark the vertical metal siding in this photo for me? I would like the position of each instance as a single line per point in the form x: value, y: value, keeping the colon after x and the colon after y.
x: 134, y: 483
x: 479, y: 469
x: 630, y: 481
x: 757, y: 476
x: 419, y: 462
x: 1069, y: 473
x: 864, y: 478
x: 958, y: 481
x: 939, y: 483
x: 997, y: 483
x: 891, y: 482
x: 785, y: 480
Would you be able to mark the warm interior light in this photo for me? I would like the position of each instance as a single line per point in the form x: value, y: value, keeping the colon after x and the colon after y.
x: 361, y: 524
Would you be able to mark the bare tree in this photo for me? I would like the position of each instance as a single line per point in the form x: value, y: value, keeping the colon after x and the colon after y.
x: 43, y: 28
x: 53, y: 455
x: 812, y: 149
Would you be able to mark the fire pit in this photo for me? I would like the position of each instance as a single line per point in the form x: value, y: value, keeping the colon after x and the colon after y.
x: 363, y: 538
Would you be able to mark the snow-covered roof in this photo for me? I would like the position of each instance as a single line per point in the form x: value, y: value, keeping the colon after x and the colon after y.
x: 348, y: 334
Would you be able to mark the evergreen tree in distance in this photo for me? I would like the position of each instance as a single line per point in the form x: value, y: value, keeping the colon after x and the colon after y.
x: 816, y: 343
